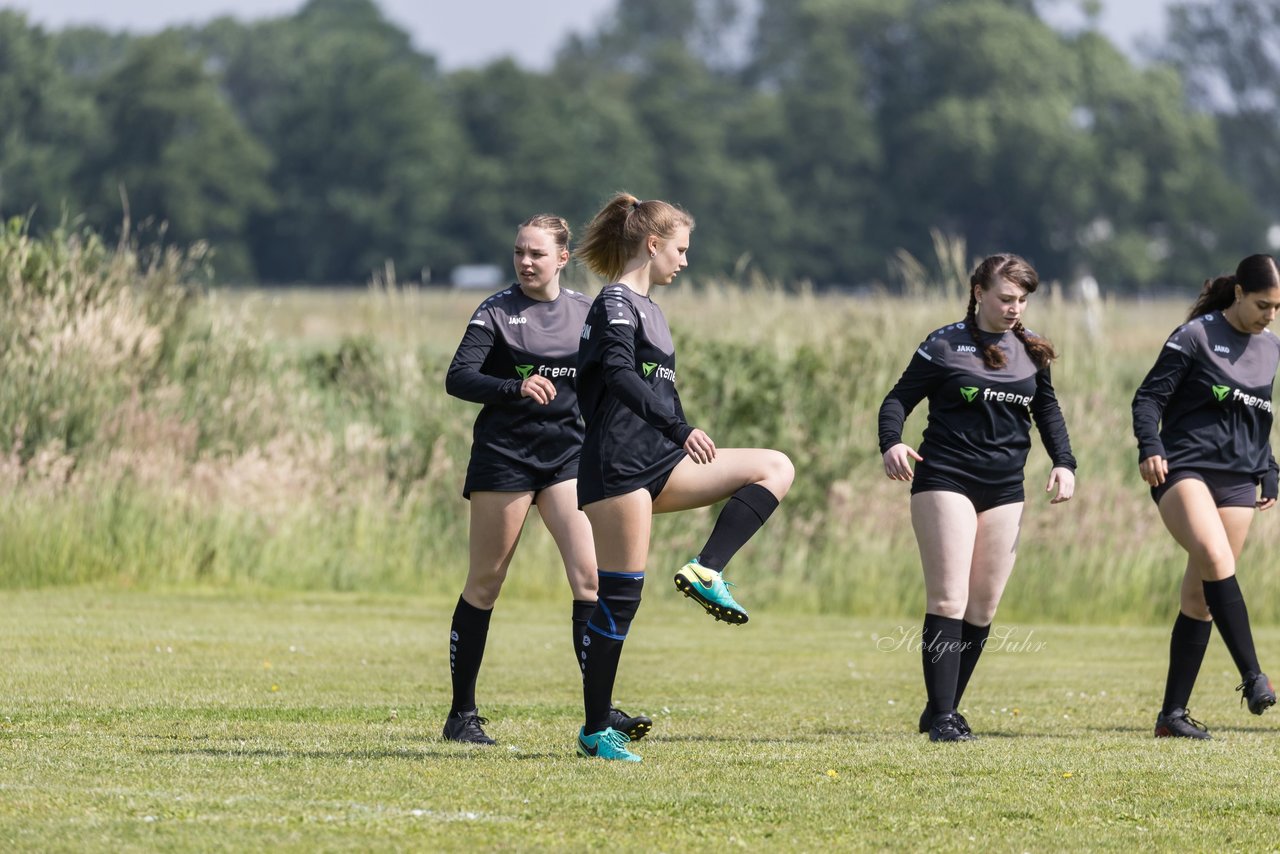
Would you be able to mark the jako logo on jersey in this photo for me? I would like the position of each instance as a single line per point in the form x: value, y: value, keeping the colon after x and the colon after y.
x: 969, y: 392
x: 512, y: 321
x: 1218, y: 348
x: 1221, y: 392
x: 966, y: 348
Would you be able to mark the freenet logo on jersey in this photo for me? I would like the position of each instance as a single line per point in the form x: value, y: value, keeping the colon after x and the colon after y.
x: 1221, y: 392
x: 970, y: 394
x: 651, y: 368
x: 525, y: 371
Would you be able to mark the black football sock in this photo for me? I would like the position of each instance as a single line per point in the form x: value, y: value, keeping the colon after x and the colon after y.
x: 581, y: 613
x: 1187, y: 643
x: 467, y: 637
x: 619, y: 598
x: 1226, y: 606
x: 973, y: 639
x: 940, y: 654
x: 744, y: 513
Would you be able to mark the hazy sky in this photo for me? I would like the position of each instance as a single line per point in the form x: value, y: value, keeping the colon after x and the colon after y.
x: 469, y: 32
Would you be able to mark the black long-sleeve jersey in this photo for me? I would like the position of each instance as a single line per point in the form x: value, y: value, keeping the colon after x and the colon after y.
x: 1206, y: 403
x: 627, y: 391
x: 510, y: 337
x: 979, y: 419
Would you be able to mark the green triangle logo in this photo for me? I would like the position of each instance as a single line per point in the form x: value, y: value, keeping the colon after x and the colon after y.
x: 969, y: 392
x: 524, y: 371
x: 1221, y: 392
x: 648, y: 367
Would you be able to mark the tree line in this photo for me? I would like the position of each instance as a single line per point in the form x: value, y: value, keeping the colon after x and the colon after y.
x: 811, y: 139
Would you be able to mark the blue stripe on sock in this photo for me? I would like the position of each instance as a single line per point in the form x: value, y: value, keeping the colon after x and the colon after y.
x: 601, y: 631
x: 613, y: 626
x: 631, y: 575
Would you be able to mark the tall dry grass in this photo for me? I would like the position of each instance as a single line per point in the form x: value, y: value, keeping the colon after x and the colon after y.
x: 152, y: 434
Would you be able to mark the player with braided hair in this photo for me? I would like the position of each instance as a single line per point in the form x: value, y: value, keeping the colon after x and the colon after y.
x: 986, y: 379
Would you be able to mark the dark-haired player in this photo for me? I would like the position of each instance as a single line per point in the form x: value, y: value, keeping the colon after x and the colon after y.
x: 986, y: 378
x: 1203, y: 421
x: 518, y: 357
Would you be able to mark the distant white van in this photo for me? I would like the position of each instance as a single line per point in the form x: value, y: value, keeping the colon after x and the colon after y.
x: 477, y: 276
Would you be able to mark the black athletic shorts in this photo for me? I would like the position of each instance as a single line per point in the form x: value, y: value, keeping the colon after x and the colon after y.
x: 591, y: 489
x: 491, y: 473
x: 983, y: 495
x: 1229, y: 489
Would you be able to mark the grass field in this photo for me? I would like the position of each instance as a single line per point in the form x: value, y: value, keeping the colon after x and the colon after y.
x: 231, y: 538
x: 203, y: 720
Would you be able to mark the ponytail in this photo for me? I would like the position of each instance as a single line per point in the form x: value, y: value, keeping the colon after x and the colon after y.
x: 618, y: 231
x: 1217, y: 294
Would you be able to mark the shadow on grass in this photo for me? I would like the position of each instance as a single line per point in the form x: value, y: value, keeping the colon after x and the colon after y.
x: 806, y: 738
x: 469, y: 754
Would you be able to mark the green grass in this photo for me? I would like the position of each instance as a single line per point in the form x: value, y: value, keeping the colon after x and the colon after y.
x: 198, y: 720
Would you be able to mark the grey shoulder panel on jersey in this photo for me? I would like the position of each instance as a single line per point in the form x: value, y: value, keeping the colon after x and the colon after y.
x: 952, y: 347
x: 1247, y: 360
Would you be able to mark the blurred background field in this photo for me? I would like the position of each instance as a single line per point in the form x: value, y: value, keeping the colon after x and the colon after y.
x: 159, y: 436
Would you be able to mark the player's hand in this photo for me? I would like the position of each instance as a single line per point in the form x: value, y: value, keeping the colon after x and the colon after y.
x: 1265, y: 503
x: 897, y: 462
x: 699, y: 447
x: 539, y: 389
x: 1154, y: 469
x: 1065, y: 481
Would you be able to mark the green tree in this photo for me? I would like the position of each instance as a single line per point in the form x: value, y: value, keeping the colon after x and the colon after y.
x: 670, y: 65
x: 1162, y: 207
x: 1227, y: 53
x: 43, y: 121
x: 173, y: 146
x: 365, y: 150
x: 87, y: 53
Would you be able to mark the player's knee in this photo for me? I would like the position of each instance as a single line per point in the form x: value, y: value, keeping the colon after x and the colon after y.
x: 777, y: 472
x: 482, y: 590
x: 952, y: 607
x: 583, y: 582
x: 1216, y: 561
x: 980, y: 613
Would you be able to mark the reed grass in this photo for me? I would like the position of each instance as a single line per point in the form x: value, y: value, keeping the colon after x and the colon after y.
x: 152, y: 433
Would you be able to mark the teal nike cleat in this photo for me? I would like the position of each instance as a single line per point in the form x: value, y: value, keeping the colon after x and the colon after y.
x: 708, y: 589
x: 606, y: 744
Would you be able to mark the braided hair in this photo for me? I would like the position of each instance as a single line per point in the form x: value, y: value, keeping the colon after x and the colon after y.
x: 987, y: 275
